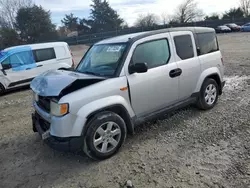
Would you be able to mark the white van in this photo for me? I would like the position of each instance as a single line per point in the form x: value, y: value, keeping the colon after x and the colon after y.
x: 20, y: 64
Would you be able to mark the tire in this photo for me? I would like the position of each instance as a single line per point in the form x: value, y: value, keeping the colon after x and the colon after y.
x: 105, y: 135
x: 208, y: 94
x: 2, y: 89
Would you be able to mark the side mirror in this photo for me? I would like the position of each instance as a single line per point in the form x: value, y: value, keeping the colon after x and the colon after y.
x: 6, y: 66
x: 138, y: 67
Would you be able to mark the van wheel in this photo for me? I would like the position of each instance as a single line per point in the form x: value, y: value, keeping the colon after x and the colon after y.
x: 2, y: 89
x: 208, y: 94
x: 105, y: 135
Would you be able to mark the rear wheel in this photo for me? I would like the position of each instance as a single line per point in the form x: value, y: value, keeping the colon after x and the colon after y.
x: 208, y: 94
x: 105, y: 135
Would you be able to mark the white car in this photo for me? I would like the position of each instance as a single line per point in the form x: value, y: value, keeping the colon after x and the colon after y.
x: 20, y: 64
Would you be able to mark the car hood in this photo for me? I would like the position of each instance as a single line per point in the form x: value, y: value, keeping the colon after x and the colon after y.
x: 60, y: 82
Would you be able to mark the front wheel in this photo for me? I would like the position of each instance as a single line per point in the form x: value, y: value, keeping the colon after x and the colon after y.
x: 2, y: 89
x: 105, y: 135
x: 208, y: 94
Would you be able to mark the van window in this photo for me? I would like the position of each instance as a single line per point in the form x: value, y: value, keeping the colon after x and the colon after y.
x: 44, y: 54
x: 207, y: 43
x: 19, y: 59
x: 154, y: 53
x: 184, y: 46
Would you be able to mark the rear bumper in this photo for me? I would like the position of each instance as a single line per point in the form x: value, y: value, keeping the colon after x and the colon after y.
x: 69, y: 144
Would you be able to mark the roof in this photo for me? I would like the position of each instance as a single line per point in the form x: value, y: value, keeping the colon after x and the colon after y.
x: 38, y: 45
x: 137, y: 36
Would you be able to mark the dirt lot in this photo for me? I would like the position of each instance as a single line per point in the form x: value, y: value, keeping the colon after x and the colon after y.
x: 189, y: 148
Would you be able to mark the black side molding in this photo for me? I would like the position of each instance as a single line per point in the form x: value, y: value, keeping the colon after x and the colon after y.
x: 20, y: 82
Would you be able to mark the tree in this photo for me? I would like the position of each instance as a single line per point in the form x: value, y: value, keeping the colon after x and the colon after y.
x: 82, y: 26
x: 233, y: 13
x: 214, y: 16
x: 103, y: 17
x: 148, y: 20
x: 245, y: 7
x: 35, y: 25
x: 9, y: 9
x: 8, y: 37
x: 188, y: 11
x: 164, y: 18
x: 70, y: 22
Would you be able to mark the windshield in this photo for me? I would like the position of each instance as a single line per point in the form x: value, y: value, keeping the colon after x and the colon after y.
x: 232, y: 25
x: 102, y: 60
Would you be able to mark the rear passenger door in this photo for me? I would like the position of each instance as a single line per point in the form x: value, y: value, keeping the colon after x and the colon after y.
x: 188, y: 61
x: 45, y: 59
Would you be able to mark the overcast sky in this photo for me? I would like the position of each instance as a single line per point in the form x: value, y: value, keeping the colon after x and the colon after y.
x: 130, y: 9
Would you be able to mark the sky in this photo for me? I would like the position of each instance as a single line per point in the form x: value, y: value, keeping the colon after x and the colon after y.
x: 129, y: 10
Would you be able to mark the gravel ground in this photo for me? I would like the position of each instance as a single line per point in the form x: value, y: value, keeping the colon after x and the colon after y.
x: 188, y: 148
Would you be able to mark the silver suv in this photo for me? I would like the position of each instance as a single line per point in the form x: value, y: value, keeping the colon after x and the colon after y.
x: 122, y: 82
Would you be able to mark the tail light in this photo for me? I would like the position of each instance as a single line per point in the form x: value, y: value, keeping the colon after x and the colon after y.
x: 72, y: 59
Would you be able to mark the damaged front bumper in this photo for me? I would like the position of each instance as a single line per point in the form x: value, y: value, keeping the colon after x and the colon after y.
x: 67, y: 144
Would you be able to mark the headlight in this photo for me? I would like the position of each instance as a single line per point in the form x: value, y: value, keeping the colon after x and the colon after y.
x: 58, y: 109
x: 35, y: 97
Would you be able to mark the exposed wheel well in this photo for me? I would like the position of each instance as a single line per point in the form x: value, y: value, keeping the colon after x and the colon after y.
x: 121, y: 111
x: 218, y: 81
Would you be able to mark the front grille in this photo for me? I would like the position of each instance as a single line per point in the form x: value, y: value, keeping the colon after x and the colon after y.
x: 43, y: 123
x: 44, y: 103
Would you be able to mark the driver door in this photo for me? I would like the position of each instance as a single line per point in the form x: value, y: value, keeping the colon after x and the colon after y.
x: 155, y: 89
x: 19, y: 68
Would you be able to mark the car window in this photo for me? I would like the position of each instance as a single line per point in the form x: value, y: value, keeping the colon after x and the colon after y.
x: 207, y: 43
x: 154, y: 53
x: 184, y: 46
x: 44, y: 54
x: 6, y: 61
x: 21, y: 58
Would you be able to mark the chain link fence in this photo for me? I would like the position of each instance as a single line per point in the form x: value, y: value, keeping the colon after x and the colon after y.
x: 95, y: 37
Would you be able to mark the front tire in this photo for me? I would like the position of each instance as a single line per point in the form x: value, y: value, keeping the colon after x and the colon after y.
x: 105, y: 135
x: 2, y: 89
x: 208, y: 94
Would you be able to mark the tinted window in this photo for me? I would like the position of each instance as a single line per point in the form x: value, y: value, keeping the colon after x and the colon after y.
x: 154, y: 53
x: 207, y: 43
x: 184, y: 46
x: 44, y: 54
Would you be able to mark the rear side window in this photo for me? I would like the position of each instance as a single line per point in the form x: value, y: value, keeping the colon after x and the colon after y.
x: 44, y: 54
x: 154, y: 53
x: 207, y: 43
x: 184, y: 46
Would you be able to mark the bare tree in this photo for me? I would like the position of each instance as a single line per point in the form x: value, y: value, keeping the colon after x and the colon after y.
x: 148, y: 20
x: 245, y: 7
x: 188, y: 11
x: 164, y: 18
x: 8, y: 11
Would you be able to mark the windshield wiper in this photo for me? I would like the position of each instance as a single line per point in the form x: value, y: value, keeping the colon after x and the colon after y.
x: 92, y: 73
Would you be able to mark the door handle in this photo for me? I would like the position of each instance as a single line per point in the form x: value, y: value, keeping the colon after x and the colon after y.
x: 175, y: 72
x: 27, y: 68
x: 39, y: 65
